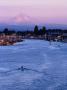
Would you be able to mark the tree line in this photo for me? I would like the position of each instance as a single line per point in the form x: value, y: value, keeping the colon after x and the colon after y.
x: 36, y: 31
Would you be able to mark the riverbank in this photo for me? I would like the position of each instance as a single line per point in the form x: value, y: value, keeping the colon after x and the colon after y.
x: 6, y: 40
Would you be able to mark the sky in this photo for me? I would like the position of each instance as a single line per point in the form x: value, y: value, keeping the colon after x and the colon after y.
x: 33, y: 11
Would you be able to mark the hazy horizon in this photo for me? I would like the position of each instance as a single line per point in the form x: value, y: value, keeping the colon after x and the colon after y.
x: 30, y: 27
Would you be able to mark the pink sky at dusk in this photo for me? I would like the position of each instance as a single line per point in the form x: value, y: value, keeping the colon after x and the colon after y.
x: 36, y: 11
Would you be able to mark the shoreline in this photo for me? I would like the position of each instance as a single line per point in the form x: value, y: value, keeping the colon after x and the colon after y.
x: 13, y: 43
x: 9, y: 43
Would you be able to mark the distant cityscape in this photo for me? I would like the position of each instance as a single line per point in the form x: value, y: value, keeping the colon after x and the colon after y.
x: 9, y: 37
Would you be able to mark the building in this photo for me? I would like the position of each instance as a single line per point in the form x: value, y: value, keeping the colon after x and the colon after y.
x: 53, y: 34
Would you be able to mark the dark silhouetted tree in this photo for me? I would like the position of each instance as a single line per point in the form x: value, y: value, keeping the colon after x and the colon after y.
x: 5, y: 31
x: 43, y: 30
x: 9, y: 32
x: 36, y: 30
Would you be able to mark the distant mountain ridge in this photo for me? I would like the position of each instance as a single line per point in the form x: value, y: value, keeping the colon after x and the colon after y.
x: 27, y: 27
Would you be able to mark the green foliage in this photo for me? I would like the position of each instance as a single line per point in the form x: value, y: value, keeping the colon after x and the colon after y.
x: 36, y: 30
x: 43, y: 30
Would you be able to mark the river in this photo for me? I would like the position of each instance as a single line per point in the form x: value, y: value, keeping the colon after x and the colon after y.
x: 46, y: 64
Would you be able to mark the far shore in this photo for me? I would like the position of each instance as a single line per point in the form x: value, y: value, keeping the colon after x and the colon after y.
x: 9, y: 37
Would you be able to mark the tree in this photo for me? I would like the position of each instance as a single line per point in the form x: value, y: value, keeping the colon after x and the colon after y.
x: 5, y: 31
x: 36, y: 30
x: 43, y: 30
